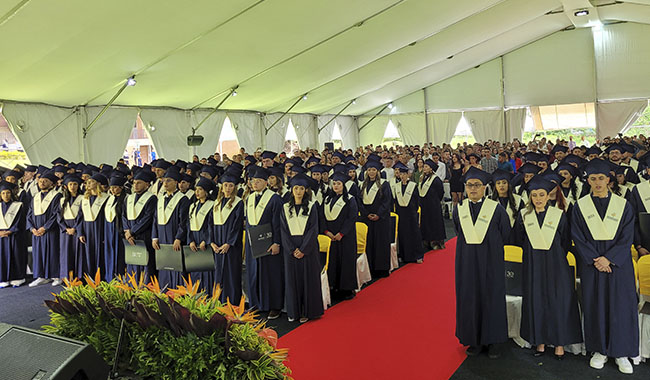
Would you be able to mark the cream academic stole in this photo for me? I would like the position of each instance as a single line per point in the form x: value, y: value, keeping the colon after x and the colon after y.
x: 133, y: 208
x: 254, y: 213
x: 90, y: 212
x: 333, y: 209
x: 370, y: 194
x: 41, y: 205
x: 109, y: 210
x: 70, y: 211
x: 475, y: 232
x: 403, y: 199
x: 296, y: 223
x: 197, y: 218
x: 542, y: 237
x: 220, y: 214
x: 7, y: 219
x: 602, y: 229
x: 644, y: 193
x: 423, y: 189
x: 570, y: 197
x: 189, y: 193
x: 512, y: 214
x: 164, y: 213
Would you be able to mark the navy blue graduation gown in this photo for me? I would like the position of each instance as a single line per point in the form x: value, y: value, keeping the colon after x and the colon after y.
x: 480, y: 281
x: 114, y: 243
x: 45, y: 249
x: 228, y: 266
x: 141, y: 228
x: 70, y: 245
x: 342, y: 269
x: 202, y: 235
x: 304, y: 296
x: 380, y: 232
x: 92, y: 254
x: 609, y: 300
x: 511, y: 239
x: 13, y: 248
x: 265, y: 275
x: 167, y: 233
x: 432, y: 224
x: 409, y: 237
x: 639, y: 207
x: 550, y: 305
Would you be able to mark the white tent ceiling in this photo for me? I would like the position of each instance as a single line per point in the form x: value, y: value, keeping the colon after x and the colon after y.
x: 189, y: 54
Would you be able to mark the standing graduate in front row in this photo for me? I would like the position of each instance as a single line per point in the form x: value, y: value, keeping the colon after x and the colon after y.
x: 265, y: 274
x: 339, y: 216
x: 226, y: 239
x: 91, y: 227
x: 482, y: 226
x: 70, y: 245
x: 603, y: 232
x: 42, y: 221
x: 550, y: 306
x: 199, y: 226
x: 300, y: 249
x: 430, y: 191
x: 375, y: 206
x: 113, y: 232
x: 13, y: 247
x: 407, y: 198
x: 169, y: 224
x: 137, y: 220
x: 510, y: 201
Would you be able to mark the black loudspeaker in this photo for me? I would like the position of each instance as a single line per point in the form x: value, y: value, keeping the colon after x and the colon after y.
x: 28, y: 354
x: 329, y: 145
x: 194, y: 140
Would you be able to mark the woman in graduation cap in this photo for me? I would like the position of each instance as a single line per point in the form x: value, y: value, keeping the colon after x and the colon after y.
x: 430, y: 191
x: 276, y: 182
x: 528, y: 170
x: 603, y: 231
x: 13, y: 247
x: 300, y: 249
x: 407, y: 201
x: 186, y: 186
x: 550, y: 313
x: 226, y: 238
x: 114, y: 233
x: 339, y: 214
x: 71, y: 247
x: 482, y: 226
x: 571, y: 186
x: 199, y: 226
x: 317, y: 172
x: 90, y: 229
x: 510, y: 201
x: 376, y: 203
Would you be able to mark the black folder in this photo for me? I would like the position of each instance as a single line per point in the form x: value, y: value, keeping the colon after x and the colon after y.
x: 513, y: 278
x: 260, y: 238
x: 168, y: 259
x: 136, y: 254
x: 199, y: 261
x: 644, y: 228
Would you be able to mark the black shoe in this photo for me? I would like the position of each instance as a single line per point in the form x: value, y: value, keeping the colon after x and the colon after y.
x: 493, y: 351
x: 473, y: 350
x: 274, y: 314
x: 559, y: 357
x: 350, y: 295
x: 537, y: 354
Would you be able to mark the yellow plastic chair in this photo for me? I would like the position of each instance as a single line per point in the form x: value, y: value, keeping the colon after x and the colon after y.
x: 635, y: 253
x: 571, y: 259
x: 513, y: 253
x: 643, y: 267
x: 362, y: 236
x: 324, y: 245
x: 392, y: 214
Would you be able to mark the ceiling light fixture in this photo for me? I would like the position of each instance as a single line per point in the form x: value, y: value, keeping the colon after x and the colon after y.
x: 390, y: 106
x: 131, y: 81
x: 580, y: 13
x: 234, y: 93
x: 304, y: 97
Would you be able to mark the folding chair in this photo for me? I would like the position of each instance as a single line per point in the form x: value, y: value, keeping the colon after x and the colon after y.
x: 363, y: 268
x: 324, y: 245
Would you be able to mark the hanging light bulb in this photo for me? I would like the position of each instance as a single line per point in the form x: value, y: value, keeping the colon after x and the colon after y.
x: 131, y: 81
x: 390, y: 106
x: 304, y: 97
x: 234, y: 93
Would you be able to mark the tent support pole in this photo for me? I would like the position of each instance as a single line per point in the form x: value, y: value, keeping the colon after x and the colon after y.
x: 373, y: 118
x: 266, y: 130
x: 232, y: 91
x: 426, y: 119
x: 110, y: 103
x: 337, y: 115
x: 503, y: 103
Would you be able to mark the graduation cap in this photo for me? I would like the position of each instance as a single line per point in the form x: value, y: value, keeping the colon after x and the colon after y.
x: 31, y: 168
x: 228, y: 177
x: 212, y: 161
x: 60, y: 169
x: 117, y: 180
x: 187, y: 178
x: 517, y: 180
x: 12, y: 173
x: 540, y: 182
x: 338, y: 154
x: 351, y: 166
x: 4, y: 185
x: 531, y: 156
x: 615, y: 146
x: 301, y: 180
x: 348, y: 159
x: 475, y: 173
x: 194, y: 167
x: 144, y: 175
x: 552, y: 176
x: 478, y: 158
x: 50, y: 175
x: 207, y: 185
x: 258, y: 172
x: 181, y: 164
x: 101, y: 179
x: 298, y: 169
x: 559, y: 148
x: 269, y: 155
x: 340, y: 176
x: 374, y: 164
x: 501, y: 174
x: 313, y: 160
x: 597, y: 166
x: 573, y: 159
x: 326, y: 168
x: 251, y: 159
x: 173, y: 174
x: 340, y: 168
x: 528, y: 168
x: 122, y: 168
x: 277, y: 172
x: 59, y: 161
x: 318, y: 169
x: 593, y: 150
x: 628, y: 148
x: 42, y: 169
x: 401, y: 167
x: 540, y: 157
x: 211, y: 170
x: 297, y: 160
x: 71, y: 178
x: 373, y: 157
x: 162, y: 164
x: 429, y: 162
x: 236, y: 165
x: 568, y: 167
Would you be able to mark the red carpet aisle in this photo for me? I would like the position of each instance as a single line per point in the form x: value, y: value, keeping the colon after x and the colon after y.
x: 401, y: 327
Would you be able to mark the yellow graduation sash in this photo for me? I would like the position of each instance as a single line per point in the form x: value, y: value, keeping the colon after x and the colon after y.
x: 370, y: 194
x: 542, y: 237
x: 404, y: 199
x: 198, y: 218
x: 475, y: 232
x: 220, y: 214
x: 332, y: 211
x: 89, y: 211
x: 109, y: 210
x: 40, y: 206
x: 254, y: 213
x: 133, y: 208
x: 602, y: 229
x: 70, y: 211
x: 644, y: 193
x: 296, y: 223
x: 7, y: 219
x: 423, y: 189
x: 164, y: 213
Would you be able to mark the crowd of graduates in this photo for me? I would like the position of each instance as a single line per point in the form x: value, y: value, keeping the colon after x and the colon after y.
x: 547, y: 198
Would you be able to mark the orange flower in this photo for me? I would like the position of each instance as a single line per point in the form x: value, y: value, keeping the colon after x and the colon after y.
x: 236, y: 313
x: 154, y: 285
x: 71, y: 282
x: 216, y: 292
x: 190, y: 289
x: 279, y: 355
x: 135, y: 283
x: 90, y: 282
x: 270, y: 335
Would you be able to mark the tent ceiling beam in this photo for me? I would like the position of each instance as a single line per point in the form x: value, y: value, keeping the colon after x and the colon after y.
x: 373, y: 118
x: 303, y: 96
x: 337, y: 115
x: 228, y: 96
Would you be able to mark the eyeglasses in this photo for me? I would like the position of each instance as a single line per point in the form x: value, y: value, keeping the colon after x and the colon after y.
x: 473, y: 185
